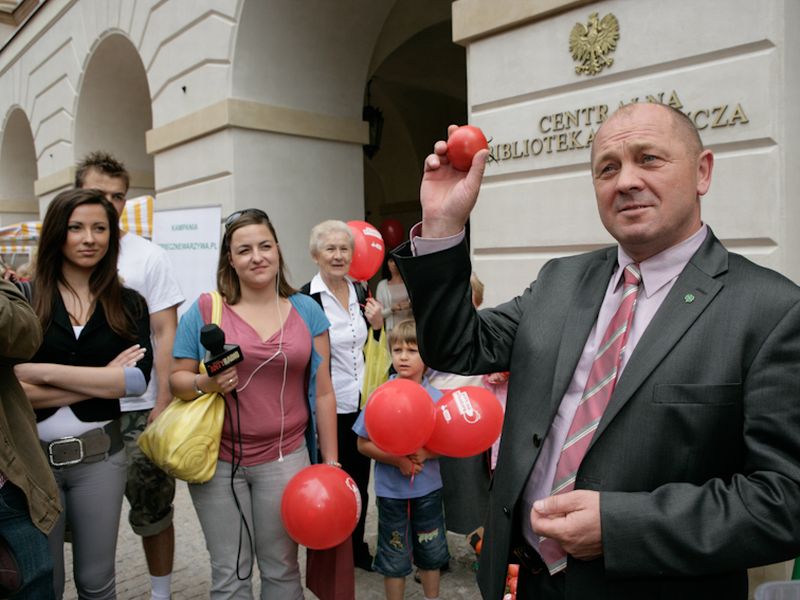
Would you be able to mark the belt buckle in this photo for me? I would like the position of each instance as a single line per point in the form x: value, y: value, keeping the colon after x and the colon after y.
x: 62, y: 442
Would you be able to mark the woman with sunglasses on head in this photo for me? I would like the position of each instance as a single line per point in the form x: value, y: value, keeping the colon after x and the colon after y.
x: 96, y: 349
x: 284, y: 399
x: 352, y: 315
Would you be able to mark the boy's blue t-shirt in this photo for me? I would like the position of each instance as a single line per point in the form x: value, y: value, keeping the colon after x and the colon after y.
x: 389, y: 481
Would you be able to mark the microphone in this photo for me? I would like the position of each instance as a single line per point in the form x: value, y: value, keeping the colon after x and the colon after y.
x: 219, y: 355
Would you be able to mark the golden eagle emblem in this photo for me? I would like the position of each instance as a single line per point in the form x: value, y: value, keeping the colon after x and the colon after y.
x: 591, y: 43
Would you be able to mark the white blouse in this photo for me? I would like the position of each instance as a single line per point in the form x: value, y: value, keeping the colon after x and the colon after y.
x: 348, y: 334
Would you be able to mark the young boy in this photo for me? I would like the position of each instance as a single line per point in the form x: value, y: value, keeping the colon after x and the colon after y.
x: 410, y: 514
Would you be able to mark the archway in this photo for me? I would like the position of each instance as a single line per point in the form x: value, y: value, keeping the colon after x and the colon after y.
x: 420, y: 86
x: 301, y: 67
x: 18, y: 170
x: 114, y: 110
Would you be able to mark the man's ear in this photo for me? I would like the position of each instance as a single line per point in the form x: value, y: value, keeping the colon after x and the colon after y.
x: 705, y: 166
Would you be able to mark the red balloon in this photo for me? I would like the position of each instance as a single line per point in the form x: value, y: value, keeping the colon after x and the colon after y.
x: 468, y: 421
x: 320, y: 507
x: 368, y: 250
x: 392, y: 232
x: 400, y: 417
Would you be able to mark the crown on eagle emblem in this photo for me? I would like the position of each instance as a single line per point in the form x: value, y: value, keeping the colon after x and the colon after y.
x: 591, y: 43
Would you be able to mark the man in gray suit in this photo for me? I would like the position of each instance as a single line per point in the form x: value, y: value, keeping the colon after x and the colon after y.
x: 689, y: 470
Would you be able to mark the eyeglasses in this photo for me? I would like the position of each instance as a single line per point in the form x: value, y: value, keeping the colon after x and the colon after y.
x: 234, y: 216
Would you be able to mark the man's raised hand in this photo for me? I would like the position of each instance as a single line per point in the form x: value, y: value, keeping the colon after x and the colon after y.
x: 448, y: 195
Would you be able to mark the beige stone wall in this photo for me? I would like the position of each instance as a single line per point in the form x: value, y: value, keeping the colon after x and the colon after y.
x: 246, y: 102
x: 724, y: 61
x: 733, y: 64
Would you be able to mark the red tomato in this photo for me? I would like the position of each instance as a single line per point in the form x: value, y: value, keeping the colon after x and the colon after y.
x: 462, y: 145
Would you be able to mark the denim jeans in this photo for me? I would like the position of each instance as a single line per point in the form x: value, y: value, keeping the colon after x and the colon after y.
x: 410, y: 528
x: 28, y: 544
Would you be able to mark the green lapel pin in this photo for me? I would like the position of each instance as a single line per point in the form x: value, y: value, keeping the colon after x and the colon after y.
x: 688, y: 298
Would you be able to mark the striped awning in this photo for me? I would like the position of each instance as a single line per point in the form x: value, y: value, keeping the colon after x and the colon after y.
x: 138, y: 216
x: 16, y: 249
x: 21, y: 232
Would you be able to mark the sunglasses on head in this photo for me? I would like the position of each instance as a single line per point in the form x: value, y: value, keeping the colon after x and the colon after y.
x: 234, y: 216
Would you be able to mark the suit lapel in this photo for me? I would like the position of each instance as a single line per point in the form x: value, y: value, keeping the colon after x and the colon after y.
x: 693, y: 291
x: 580, y: 319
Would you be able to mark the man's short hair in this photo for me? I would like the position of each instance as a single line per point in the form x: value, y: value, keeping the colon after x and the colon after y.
x: 105, y: 164
x: 684, y: 124
x: 404, y: 332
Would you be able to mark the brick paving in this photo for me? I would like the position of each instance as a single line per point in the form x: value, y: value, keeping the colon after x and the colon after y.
x: 191, y: 577
x: 192, y: 573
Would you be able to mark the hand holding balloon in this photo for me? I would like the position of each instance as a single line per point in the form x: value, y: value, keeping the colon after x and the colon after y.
x: 420, y: 456
x: 448, y: 194
x: 373, y: 311
x: 407, y: 466
x: 462, y: 145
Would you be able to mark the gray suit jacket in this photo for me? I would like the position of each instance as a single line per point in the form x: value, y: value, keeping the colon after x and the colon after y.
x: 697, y: 457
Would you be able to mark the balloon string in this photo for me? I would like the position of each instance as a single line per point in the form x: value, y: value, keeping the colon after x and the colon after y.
x: 369, y: 297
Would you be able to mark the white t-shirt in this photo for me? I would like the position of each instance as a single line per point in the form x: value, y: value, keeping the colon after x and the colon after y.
x: 145, y: 267
x: 348, y: 334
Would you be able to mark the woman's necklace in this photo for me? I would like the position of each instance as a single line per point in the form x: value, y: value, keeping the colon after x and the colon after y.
x: 79, y: 309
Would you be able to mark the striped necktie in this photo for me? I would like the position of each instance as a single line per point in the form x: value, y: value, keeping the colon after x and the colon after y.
x: 596, y: 394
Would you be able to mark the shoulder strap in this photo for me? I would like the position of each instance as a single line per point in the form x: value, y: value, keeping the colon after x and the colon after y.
x: 317, y: 296
x: 216, y: 315
x: 212, y: 313
x: 216, y: 307
x: 361, y: 294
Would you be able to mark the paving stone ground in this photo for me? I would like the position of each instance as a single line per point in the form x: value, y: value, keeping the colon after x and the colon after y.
x: 192, y: 573
x: 191, y: 578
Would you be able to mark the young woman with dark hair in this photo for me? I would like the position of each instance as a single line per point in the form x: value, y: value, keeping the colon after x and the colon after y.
x: 96, y: 349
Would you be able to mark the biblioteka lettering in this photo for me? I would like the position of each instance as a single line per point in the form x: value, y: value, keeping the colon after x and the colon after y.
x: 575, y: 130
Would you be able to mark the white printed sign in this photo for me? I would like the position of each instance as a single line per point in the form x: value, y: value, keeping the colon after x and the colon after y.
x: 191, y: 237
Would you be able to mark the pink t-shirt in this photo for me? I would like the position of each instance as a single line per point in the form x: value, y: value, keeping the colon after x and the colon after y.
x: 268, y: 424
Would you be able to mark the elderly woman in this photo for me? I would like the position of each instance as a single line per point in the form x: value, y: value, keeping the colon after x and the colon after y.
x: 331, y: 248
x: 284, y: 402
